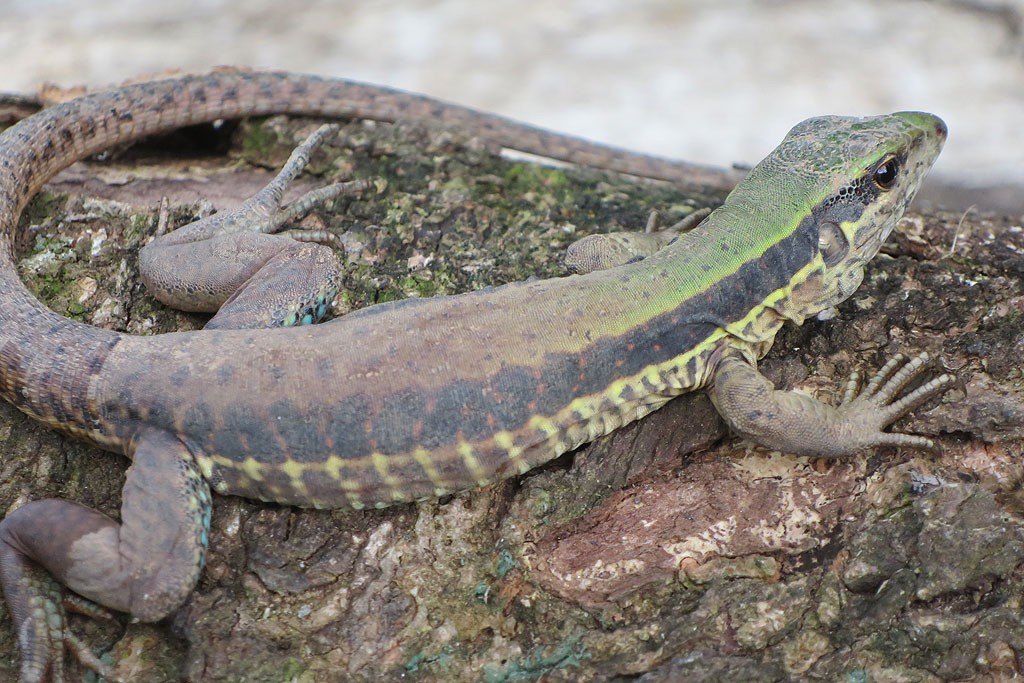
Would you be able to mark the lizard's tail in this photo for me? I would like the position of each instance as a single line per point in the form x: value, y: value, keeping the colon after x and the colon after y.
x: 48, y: 362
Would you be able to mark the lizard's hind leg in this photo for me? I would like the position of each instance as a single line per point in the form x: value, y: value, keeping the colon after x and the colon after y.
x: 241, y: 265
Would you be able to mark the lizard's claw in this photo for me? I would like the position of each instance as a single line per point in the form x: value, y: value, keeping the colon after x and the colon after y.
x: 44, y: 636
x: 869, y: 411
x: 38, y: 605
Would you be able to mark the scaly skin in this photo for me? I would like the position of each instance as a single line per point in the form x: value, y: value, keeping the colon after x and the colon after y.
x: 442, y: 394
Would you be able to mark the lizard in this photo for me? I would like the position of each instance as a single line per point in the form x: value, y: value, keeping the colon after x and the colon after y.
x: 444, y: 393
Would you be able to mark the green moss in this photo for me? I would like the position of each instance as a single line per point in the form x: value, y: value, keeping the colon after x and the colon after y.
x: 433, y: 662
x: 46, y: 270
x: 42, y: 208
x: 256, y: 141
x: 506, y: 563
x: 139, y: 227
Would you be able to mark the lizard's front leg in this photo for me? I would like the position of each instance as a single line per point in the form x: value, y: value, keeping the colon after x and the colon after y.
x: 799, y: 424
x: 241, y: 265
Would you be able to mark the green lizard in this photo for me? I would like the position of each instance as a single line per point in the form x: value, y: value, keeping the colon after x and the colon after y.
x: 444, y: 393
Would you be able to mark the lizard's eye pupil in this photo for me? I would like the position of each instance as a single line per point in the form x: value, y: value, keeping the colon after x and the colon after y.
x: 886, y: 172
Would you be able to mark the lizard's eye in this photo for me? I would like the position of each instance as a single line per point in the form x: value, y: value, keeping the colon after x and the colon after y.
x: 886, y: 172
x: 832, y: 243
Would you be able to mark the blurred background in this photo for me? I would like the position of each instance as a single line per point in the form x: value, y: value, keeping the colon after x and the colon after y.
x: 714, y: 81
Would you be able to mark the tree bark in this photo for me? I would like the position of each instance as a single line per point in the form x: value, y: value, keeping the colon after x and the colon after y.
x: 667, y: 551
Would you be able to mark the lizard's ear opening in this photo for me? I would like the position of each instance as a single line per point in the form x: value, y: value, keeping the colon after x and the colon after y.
x: 832, y: 243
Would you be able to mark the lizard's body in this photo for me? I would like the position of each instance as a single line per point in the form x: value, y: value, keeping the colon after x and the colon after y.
x: 418, y: 398
x: 514, y: 323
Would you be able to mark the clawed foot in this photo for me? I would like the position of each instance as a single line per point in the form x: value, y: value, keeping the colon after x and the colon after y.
x: 867, y: 412
x: 238, y: 263
x: 263, y: 211
x: 800, y: 424
x: 44, y: 637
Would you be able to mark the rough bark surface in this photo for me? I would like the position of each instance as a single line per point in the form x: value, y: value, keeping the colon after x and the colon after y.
x: 667, y: 551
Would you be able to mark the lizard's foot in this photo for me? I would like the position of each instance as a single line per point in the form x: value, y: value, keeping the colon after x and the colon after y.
x: 39, y: 607
x: 799, y: 424
x: 603, y: 251
x: 243, y: 265
x: 871, y: 410
x: 306, y: 203
x: 263, y: 213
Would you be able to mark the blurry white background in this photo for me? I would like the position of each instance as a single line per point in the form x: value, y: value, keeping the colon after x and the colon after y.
x: 715, y: 81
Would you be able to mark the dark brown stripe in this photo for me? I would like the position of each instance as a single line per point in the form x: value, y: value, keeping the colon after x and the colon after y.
x: 431, y: 419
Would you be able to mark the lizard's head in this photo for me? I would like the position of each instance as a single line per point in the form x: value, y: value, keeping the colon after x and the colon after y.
x: 861, y: 173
